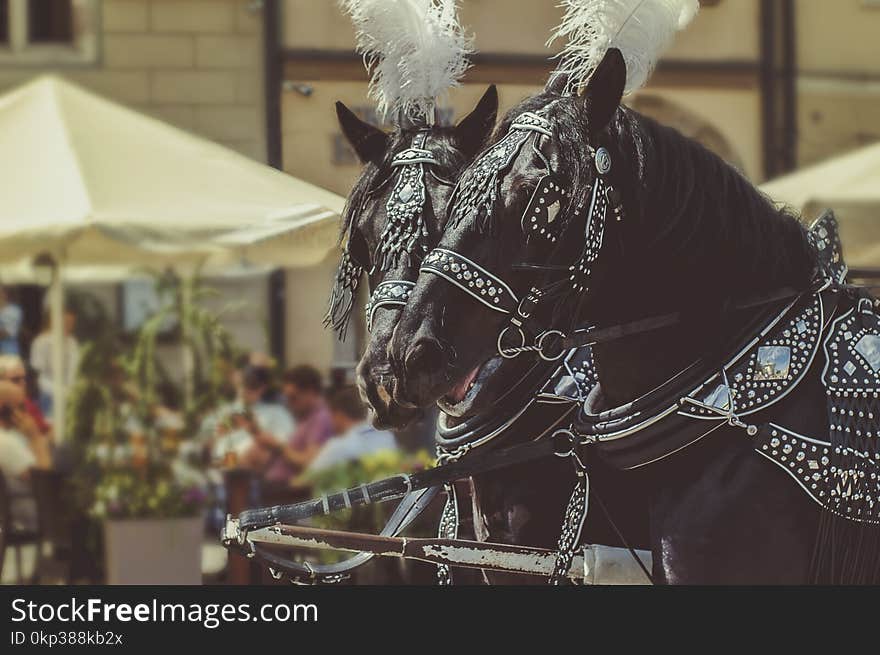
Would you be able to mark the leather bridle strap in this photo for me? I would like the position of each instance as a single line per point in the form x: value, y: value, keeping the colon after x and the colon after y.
x: 473, y: 279
x: 389, y: 293
x: 594, y: 335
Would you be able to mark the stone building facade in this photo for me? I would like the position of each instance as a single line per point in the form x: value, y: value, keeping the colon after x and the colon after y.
x: 769, y: 84
x: 196, y: 64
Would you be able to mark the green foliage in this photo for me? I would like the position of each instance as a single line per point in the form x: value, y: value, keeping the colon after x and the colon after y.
x: 127, y: 494
x: 202, y: 338
x: 121, y: 452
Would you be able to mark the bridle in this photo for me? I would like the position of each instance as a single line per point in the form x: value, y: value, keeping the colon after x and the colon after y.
x: 404, y: 236
x: 565, y: 282
x: 541, y: 219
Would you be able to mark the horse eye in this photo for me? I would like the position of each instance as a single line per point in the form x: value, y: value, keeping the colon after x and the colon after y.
x: 358, y: 249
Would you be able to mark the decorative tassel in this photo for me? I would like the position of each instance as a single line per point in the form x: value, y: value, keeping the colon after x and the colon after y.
x: 343, y: 296
x: 405, y: 233
x: 476, y: 193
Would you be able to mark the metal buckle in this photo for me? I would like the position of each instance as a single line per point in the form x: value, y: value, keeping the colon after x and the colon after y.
x: 539, y: 344
x: 510, y: 353
x: 564, y: 442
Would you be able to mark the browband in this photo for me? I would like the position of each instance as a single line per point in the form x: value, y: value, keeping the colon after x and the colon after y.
x: 414, y: 155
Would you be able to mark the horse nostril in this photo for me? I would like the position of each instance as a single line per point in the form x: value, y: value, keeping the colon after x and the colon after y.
x: 424, y: 355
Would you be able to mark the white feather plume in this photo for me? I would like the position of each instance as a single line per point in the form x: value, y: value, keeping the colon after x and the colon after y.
x: 641, y: 29
x: 414, y: 51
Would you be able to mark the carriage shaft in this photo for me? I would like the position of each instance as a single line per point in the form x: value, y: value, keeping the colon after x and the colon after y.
x: 595, y: 564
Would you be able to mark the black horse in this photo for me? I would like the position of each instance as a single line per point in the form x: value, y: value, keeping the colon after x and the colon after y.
x: 389, y: 249
x: 692, y: 238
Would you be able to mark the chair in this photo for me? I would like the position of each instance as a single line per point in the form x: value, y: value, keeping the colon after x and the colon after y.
x: 13, y: 535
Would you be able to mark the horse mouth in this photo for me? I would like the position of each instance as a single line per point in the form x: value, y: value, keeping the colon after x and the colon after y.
x: 463, y: 397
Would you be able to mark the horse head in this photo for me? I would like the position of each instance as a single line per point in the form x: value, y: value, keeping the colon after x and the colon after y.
x: 526, y: 225
x: 393, y: 217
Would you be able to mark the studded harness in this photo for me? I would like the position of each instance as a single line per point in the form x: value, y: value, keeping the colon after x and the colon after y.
x: 825, y: 339
x: 541, y: 219
x: 773, y: 356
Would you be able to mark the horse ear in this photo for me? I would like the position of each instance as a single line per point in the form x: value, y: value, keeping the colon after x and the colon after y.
x: 368, y: 141
x: 473, y: 130
x: 605, y: 90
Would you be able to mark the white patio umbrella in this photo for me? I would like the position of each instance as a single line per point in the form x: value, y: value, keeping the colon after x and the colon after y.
x: 850, y: 185
x: 88, y: 183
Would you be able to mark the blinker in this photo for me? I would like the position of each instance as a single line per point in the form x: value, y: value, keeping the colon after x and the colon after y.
x: 543, y: 208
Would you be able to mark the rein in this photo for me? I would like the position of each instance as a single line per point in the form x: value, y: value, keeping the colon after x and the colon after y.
x: 595, y: 335
x: 399, y: 486
x: 417, y: 491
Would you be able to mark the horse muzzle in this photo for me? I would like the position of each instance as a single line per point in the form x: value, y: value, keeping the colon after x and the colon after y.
x: 378, y: 391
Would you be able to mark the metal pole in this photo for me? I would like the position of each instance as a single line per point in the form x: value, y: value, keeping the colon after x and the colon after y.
x: 272, y: 77
x: 593, y: 564
x: 56, y: 317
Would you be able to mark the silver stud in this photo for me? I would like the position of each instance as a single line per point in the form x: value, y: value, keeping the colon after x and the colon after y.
x: 603, y: 161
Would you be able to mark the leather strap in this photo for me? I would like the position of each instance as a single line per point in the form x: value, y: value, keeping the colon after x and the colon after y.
x: 388, y: 293
x: 471, y: 278
x: 597, y: 334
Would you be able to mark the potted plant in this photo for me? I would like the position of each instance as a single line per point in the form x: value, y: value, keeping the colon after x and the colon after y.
x: 127, y: 421
x: 153, y: 526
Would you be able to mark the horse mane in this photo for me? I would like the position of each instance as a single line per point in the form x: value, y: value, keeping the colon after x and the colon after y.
x: 712, y: 212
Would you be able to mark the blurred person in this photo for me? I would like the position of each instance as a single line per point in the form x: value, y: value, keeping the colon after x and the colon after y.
x: 216, y: 422
x: 22, y: 448
x: 254, y: 415
x: 302, y: 388
x: 354, y: 434
x: 10, y: 324
x: 12, y: 370
x: 41, y: 359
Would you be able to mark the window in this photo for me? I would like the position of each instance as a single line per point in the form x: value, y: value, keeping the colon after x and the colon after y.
x: 4, y: 22
x: 48, y: 32
x: 50, y: 21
